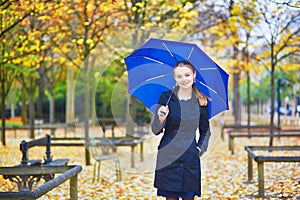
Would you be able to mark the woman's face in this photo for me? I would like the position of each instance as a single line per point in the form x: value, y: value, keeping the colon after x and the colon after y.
x: 184, y: 77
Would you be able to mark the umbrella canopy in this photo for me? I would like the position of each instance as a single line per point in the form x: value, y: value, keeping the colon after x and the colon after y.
x: 150, y: 73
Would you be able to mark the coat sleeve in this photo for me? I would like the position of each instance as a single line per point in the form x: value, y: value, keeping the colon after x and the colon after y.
x: 156, y: 126
x: 204, y: 129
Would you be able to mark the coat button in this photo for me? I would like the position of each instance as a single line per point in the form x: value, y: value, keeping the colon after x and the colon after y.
x: 181, y: 165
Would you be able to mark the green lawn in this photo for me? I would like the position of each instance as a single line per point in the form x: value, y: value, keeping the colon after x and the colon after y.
x: 9, y: 123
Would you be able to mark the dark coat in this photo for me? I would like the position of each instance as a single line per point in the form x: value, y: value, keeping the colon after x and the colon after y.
x: 178, y: 163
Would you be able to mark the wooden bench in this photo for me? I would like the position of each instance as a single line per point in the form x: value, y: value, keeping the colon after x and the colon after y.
x: 25, y: 183
x: 233, y: 127
x: 130, y: 141
x: 243, y: 134
x: 260, y: 159
x: 67, y: 173
x: 51, y: 127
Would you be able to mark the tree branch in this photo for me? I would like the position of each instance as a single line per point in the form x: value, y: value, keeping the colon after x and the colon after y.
x: 285, y: 3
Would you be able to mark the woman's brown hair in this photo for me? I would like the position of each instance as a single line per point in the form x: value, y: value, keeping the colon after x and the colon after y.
x: 203, y: 100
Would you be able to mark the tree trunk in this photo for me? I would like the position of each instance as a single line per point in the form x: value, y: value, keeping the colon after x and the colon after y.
x: 24, y: 108
x: 248, y: 103
x: 3, y: 119
x: 93, y: 109
x: 86, y: 117
x: 272, y: 108
x: 69, y: 98
x: 52, y: 107
x: 12, y: 111
x: 41, y: 97
x: 272, y: 96
x: 130, y: 115
x: 31, y: 111
x: 237, y: 99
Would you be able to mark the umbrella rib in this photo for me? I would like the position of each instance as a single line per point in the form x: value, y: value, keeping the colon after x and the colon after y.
x: 170, y: 52
x: 191, y: 53
x: 210, y: 89
x: 212, y: 68
x: 153, y: 60
x: 207, y: 86
x: 148, y: 58
x: 156, y: 77
x: 150, y: 79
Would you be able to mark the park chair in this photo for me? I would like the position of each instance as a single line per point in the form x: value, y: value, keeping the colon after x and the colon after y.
x: 101, y: 151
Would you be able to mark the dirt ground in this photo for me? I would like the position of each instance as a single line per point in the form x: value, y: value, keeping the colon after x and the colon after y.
x: 224, y: 176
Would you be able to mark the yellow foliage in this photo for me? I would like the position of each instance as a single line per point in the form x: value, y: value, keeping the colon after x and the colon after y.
x: 140, y: 4
x: 290, y: 67
x: 183, y: 23
x: 80, y: 41
x: 236, y: 9
x: 89, y: 41
x: 134, y: 8
x: 90, y: 7
x: 188, y: 4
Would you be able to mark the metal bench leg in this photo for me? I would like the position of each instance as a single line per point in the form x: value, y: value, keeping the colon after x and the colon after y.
x: 118, y: 170
x: 231, y: 144
x: 261, y: 189
x: 132, y: 156
x: 74, y: 187
x: 250, y: 168
x: 222, y: 134
x: 96, y: 170
x: 99, y: 168
x: 142, y: 151
x: 95, y: 166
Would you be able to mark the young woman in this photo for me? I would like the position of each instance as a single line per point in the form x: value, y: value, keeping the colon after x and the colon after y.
x: 180, y: 113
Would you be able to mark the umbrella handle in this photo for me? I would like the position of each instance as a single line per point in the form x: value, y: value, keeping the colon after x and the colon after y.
x: 170, y: 96
x: 169, y: 99
x: 173, y: 89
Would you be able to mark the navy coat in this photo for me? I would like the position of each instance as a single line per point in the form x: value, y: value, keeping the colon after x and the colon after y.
x: 178, y: 163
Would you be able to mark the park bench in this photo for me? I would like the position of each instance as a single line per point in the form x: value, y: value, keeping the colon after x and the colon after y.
x: 69, y: 172
x: 48, y: 159
x: 120, y: 141
x: 261, y: 159
x: 232, y: 134
x: 51, y: 127
x: 233, y: 127
x: 29, y: 172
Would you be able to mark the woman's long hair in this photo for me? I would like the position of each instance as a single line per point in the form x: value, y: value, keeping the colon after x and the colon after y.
x: 203, y: 100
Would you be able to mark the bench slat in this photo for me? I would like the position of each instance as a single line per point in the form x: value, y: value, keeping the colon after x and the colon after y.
x: 32, y: 163
x: 40, y: 141
x: 264, y: 135
x: 260, y: 159
x: 58, y: 162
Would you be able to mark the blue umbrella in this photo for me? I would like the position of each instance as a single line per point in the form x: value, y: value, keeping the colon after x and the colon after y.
x: 150, y: 73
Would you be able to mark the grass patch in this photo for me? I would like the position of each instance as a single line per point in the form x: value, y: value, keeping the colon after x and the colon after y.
x: 11, y: 123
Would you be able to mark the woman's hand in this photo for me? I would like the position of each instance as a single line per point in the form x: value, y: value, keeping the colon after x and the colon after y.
x: 162, y: 113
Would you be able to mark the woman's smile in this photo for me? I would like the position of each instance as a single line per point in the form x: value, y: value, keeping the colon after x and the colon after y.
x: 184, y: 77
